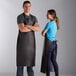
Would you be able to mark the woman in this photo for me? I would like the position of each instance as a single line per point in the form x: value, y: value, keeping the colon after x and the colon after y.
x: 50, y: 45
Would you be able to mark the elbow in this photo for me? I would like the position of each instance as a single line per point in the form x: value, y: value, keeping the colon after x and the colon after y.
x: 21, y: 29
x: 43, y: 34
x: 58, y: 28
x: 37, y: 28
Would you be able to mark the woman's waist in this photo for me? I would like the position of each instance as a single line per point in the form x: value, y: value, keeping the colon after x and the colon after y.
x: 50, y: 40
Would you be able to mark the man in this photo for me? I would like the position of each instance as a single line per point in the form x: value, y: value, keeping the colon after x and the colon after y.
x: 26, y: 50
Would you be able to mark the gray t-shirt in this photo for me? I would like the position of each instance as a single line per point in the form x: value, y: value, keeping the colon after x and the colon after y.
x: 27, y: 20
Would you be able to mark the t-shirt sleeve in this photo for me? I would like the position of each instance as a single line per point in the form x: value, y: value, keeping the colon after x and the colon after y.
x: 47, y: 26
x: 35, y: 20
x: 20, y: 19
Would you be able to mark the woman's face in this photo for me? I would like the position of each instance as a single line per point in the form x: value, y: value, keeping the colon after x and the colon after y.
x: 49, y: 16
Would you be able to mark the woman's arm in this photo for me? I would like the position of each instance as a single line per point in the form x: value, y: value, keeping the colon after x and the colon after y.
x: 44, y: 32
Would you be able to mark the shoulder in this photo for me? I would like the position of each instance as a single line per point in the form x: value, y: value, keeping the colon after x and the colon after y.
x: 20, y: 16
x: 49, y: 23
x: 33, y: 16
x: 53, y: 22
x: 34, y: 19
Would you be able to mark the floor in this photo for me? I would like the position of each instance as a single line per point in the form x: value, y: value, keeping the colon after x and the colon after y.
x: 36, y: 74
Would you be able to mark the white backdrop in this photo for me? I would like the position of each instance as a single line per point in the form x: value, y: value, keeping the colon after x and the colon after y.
x: 9, y: 9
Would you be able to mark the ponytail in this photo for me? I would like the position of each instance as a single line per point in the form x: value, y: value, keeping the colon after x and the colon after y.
x: 53, y: 13
x: 57, y: 22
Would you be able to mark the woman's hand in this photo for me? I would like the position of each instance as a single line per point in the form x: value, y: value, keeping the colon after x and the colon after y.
x: 44, y: 32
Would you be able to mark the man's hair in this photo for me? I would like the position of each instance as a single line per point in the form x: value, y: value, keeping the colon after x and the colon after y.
x: 25, y: 2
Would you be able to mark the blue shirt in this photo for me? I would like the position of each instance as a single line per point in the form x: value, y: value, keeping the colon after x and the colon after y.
x: 51, y: 28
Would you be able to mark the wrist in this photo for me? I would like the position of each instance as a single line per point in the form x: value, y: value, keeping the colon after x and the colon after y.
x: 29, y: 26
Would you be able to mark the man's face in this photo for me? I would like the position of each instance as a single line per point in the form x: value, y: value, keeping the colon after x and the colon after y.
x: 27, y: 7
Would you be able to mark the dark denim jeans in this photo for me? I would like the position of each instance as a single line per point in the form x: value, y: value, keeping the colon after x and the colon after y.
x: 20, y: 70
x: 52, y: 54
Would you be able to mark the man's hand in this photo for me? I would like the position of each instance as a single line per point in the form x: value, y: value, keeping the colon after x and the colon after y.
x: 34, y: 27
x: 28, y: 28
x: 23, y: 28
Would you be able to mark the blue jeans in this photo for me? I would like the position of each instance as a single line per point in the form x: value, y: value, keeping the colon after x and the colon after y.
x: 20, y: 70
x: 52, y: 55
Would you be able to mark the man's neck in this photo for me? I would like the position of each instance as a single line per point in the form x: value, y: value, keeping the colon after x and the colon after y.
x: 27, y: 13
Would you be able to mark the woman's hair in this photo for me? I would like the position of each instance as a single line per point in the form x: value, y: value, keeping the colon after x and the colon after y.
x: 53, y: 13
x: 25, y: 2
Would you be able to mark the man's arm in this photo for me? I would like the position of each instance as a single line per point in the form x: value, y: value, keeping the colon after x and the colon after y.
x: 23, y: 28
x: 35, y: 27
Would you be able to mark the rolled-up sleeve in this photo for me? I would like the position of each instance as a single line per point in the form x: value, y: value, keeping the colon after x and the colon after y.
x: 35, y: 20
x: 20, y: 19
x: 47, y: 26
